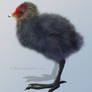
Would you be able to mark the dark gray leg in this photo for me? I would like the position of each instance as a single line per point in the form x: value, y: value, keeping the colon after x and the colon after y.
x: 54, y: 85
x: 57, y: 81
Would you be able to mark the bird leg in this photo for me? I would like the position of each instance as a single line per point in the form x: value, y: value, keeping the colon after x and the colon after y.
x: 57, y: 81
x: 54, y: 85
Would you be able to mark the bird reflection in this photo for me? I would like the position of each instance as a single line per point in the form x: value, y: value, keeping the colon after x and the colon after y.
x: 44, y: 77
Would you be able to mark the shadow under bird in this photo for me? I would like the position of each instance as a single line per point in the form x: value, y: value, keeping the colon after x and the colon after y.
x: 49, y: 34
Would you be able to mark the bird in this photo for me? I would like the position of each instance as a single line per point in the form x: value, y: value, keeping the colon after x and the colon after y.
x: 49, y: 34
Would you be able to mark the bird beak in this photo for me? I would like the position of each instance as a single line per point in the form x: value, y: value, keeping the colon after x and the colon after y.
x: 12, y: 15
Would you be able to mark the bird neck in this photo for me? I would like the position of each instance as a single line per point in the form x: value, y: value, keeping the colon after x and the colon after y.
x: 27, y: 16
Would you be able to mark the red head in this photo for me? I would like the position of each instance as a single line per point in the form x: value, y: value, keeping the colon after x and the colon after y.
x: 25, y: 9
x: 20, y: 10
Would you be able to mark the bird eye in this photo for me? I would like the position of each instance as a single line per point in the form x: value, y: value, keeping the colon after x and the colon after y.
x: 21, y: 12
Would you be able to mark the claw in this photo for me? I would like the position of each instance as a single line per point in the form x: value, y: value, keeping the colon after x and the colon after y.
x: 27, y: 88
x: 63, y: 82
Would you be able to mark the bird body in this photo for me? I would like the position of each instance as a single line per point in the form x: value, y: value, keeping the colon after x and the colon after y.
x: 49, y: 34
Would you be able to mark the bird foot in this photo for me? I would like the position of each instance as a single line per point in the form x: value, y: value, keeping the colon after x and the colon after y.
x: 43, y: 86
x: 56, y: 85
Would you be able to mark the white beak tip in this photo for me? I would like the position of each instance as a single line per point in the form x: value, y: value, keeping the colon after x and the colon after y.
x: 9, y: 15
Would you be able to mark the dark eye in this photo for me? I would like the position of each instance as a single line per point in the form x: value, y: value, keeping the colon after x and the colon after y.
x: 21, y: 12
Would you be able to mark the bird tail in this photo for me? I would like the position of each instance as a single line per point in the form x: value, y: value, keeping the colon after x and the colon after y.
x: 78, y: 42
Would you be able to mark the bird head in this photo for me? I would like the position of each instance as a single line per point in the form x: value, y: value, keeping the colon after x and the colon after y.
x: 24, y: 10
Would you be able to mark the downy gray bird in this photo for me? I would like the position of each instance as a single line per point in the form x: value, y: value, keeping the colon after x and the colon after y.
x: 49, y: 34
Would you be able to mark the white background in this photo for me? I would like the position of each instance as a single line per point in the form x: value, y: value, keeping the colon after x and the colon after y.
x: 17, y: 62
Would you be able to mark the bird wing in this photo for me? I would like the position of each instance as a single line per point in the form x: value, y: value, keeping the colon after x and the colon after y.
x: 53, y: 24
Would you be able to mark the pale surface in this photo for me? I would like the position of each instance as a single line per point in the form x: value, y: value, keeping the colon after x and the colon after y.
x: 17, y: 62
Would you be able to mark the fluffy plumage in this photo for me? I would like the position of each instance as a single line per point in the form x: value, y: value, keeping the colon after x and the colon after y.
x: 50, y: 34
